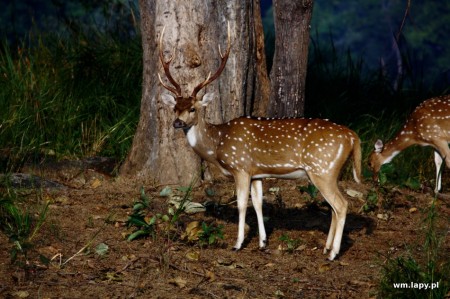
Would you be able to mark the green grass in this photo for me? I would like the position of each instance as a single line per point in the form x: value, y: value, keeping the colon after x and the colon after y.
x: 21, y: 222
x: 428, y: 264
x: 68, y: 98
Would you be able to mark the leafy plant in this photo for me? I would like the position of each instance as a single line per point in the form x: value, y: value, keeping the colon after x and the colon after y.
x: 147, y: 224
x: 210, y: 234
x: 371, y: 201
x: 20, y: 225
x: 290, y: 244
x: 310, y: 189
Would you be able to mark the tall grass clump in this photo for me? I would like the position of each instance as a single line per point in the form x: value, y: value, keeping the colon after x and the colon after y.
x: 424, y: 273
x: 68, y: 97
x: 20, y: 223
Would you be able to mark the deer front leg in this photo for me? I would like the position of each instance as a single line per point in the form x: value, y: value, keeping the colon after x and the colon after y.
x: 257, y: 200
x: 242, y: 181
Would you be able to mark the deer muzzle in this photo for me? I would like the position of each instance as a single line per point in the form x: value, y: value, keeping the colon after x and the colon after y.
x: 375, y: 177
x: 179, y: 124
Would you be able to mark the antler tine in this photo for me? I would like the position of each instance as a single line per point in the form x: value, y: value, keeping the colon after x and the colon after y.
x: 166, y: 66
x: 228, y: 41
x: 224, y: 59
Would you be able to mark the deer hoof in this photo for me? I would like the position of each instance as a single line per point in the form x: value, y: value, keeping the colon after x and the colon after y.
x: 331, y: 256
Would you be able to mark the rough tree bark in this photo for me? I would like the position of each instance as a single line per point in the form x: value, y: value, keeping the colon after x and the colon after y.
x: 288, y: 74
x: 194, y: 29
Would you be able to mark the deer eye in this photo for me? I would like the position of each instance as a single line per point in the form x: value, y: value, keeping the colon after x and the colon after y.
x: 192, y: 110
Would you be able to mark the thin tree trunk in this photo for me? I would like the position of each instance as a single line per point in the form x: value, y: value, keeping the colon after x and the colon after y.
x: 288, y: 74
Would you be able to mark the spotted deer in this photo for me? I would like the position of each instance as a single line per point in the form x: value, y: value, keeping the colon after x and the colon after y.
x: 428, y: 125
x: 251, y: 149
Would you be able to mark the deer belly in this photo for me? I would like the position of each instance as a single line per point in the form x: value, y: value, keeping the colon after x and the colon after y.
x: 296, y: 174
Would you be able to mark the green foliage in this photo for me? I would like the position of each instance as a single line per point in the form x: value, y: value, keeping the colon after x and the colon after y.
x: 149, y: 224
x: 68, y: 97
x: 210, y: 234
x: 145, y: 226
x: 310, y: 189
x: 371, y: 201
x: 101, y: 249
x: 428, y: 266
x: 289, y: 243
x: 20, y: 225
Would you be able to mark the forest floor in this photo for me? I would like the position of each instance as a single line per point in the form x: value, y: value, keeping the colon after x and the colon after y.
x: 90, y: 209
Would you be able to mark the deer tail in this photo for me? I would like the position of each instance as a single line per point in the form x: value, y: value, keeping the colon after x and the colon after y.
x: 357, y: 159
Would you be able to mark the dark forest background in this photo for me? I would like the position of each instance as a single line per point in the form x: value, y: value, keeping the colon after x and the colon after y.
x: 72, y: 71
x: 370, y: 30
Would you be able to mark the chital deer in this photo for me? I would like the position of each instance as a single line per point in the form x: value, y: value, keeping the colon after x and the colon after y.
x: 250, y: 149
x: 429, y: 124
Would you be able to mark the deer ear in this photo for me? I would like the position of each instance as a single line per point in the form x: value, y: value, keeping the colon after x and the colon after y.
x: 379, y: 146
x: 208, y: 97
x: 169, y: 100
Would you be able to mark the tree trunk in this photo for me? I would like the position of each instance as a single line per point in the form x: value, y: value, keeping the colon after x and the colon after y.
x: 292, y: 24
x: 193, y: 29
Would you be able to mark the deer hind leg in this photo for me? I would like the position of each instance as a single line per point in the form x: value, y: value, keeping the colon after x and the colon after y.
x: 438, y: 162
x: 256, y: 192
x: 441, y: 153
x: 329, y: 190
x: 331, y: 233
x: 242, y: 181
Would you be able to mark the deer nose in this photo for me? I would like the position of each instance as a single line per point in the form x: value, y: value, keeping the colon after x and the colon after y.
x: 375, y: 177
x: 178, y: 124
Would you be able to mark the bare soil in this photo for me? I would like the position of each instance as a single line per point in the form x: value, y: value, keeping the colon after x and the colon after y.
x: 89, y: 207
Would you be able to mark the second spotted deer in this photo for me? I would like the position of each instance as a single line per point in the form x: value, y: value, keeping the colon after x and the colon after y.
x: 428, y: 125
x: 251, y: 149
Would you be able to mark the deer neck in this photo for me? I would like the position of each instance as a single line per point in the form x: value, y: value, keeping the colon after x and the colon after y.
x: 401, y: 141
x: 203, y: 137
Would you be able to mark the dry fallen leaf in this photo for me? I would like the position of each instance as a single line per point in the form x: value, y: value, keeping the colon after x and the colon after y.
x: 413, y: 210
x: 21, y: 294
x: 383, y: 216
x: 223, y: 262
x: 179, y: 282
x: 96, y: 183
x: 354, y: 193
x: 324, y: 267
x: 210, y: 275
x: 192, y: 231
x: 193, y: 255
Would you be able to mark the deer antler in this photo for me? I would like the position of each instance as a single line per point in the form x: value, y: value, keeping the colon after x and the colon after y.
x: 166, y: 65
x: 224, y: 59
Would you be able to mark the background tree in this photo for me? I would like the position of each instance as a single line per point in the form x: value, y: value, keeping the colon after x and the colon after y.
x: 194, y: 29
x: 292, y: 21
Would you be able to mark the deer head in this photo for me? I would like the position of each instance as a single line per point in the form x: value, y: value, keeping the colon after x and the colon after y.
x: 375, y: 159
x: 187, y: 108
